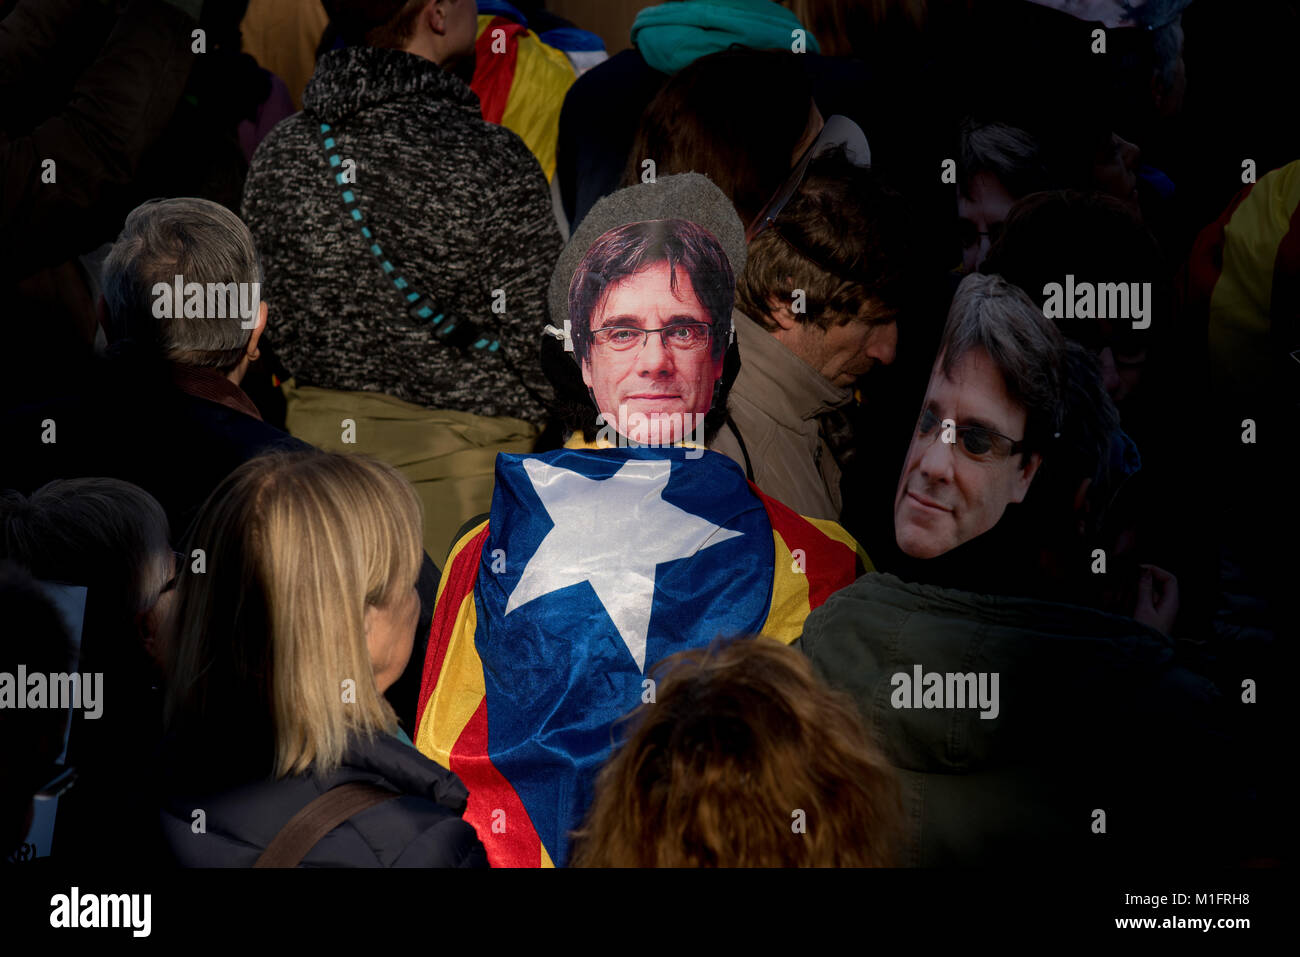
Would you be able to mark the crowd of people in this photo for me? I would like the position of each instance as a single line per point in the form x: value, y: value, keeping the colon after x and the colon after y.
x: 825, y: 433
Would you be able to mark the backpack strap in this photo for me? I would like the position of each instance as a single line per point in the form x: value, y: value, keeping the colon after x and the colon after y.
x: 306, y: 828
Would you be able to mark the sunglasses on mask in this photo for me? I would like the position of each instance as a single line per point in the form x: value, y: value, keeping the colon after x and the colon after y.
x: 977, y: 442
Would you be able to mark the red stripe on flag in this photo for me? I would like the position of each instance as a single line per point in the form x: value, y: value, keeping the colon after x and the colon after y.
x: 492, y: 801
x: 829, y: 565
x: 494, y: 73
x: 459, y: 579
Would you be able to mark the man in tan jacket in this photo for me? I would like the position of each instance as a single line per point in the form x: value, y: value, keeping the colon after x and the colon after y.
x: 822, y: 288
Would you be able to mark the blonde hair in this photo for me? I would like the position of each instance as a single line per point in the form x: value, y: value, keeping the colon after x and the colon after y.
x: 297, y: 545
x: 744, y: 744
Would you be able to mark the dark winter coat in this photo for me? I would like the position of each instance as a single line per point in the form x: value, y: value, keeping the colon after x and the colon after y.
x: 1094, y: 713
x: 458, y: 207
x: 776, y: 424
x: 84, y: 97
x: 421, y: 828
x: 128, y: 420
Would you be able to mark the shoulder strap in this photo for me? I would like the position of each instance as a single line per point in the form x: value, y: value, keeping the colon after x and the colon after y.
x: 735, y: 430
x: 313, y: 822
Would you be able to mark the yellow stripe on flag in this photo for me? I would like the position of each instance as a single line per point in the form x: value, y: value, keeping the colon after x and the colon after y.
x: 459, y: 691
x: 789, y: 608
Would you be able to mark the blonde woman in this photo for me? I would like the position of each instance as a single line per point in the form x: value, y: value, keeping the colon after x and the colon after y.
x: 303, y: 616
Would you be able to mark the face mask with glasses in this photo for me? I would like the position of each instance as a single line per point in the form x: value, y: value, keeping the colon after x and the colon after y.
x: 682, y: 336
x: 979, y: 443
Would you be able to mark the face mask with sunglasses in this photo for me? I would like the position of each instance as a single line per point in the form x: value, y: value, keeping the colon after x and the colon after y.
x: 979, y: 443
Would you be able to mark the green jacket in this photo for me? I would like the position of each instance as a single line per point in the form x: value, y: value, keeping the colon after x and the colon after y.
x: 1091, y: 713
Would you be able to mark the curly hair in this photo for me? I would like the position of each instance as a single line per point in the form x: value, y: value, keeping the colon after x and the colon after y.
x: 746, y: 759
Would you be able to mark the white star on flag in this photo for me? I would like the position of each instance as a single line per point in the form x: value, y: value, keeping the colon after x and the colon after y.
x: 628, y: 510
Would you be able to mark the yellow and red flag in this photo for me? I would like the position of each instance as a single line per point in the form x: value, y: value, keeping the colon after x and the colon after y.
x: 594, y: 565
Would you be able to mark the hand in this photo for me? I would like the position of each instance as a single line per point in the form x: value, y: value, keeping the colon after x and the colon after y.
x: 1157, y: 601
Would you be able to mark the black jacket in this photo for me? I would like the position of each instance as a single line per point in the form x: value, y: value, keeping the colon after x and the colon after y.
x: 422, y: 828
x: 127, y: 420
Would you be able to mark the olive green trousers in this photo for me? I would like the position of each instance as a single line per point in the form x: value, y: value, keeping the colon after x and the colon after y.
x: 449, y: 456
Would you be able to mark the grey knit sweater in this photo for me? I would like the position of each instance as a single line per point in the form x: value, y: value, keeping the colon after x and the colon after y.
x: 458, y: 207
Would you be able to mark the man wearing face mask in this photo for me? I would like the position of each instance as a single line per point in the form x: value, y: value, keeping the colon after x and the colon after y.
x: 989, y: 414
x: 631, y: 543
x: 1008, y: 453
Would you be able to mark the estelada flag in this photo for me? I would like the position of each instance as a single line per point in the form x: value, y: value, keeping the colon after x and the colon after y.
x: 595, y: 564
x: 521, y: 82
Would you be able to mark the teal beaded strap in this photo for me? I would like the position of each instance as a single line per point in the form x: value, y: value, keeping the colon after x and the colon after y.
x: 421, y: 310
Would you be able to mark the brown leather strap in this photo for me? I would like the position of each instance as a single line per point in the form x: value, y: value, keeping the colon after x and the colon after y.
x: 308, y: 826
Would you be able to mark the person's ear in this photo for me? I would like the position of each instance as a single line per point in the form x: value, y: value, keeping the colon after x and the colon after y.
x: 1024, y: 476
x: 147, y: 630
x: 586, y: 372
x: 778, y: 311
x: 435, y: 15
x: 258, y: 329
x: 156, y: 629
x: 1158, y: 90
